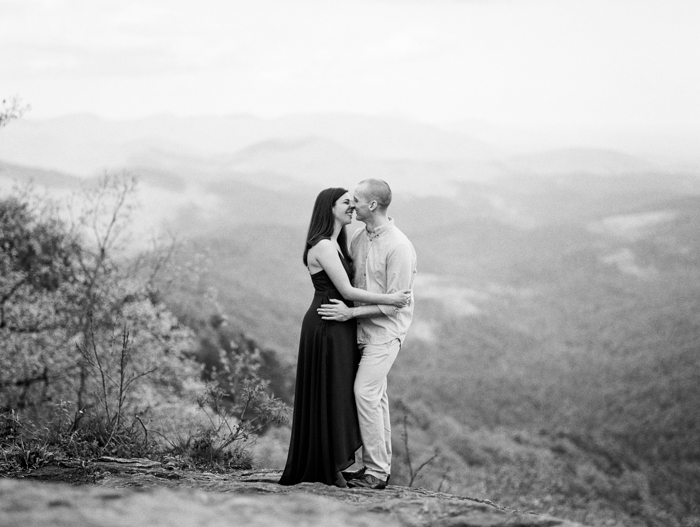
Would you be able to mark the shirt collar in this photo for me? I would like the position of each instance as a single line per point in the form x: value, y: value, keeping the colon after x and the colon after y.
x: 386, y: 227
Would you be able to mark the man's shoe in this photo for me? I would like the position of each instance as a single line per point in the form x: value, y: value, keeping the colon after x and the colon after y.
x: 354, y: 475
x: 368, y: 481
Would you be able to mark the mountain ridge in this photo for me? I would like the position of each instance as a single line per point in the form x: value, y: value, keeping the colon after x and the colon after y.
x: 86, y: 145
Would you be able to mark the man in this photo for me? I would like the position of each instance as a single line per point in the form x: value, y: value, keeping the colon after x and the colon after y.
x: 385, y: 262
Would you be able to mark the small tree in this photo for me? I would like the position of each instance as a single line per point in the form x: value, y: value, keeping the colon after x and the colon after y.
x: 12, y: 109
x: 413, y: 473
x: 64, y: 288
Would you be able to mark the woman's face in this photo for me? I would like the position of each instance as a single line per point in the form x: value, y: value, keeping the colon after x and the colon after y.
x: 343, y: 209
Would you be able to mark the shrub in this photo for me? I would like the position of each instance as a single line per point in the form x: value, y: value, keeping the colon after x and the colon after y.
x: 93, y: 360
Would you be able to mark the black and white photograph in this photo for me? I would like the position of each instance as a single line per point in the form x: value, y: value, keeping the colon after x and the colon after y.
x: 404, y: 263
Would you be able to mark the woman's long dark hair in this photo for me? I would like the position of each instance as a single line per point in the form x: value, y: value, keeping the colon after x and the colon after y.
x: 323, y: 222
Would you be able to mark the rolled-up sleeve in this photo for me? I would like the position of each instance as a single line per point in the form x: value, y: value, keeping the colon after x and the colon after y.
x: 400, y: 273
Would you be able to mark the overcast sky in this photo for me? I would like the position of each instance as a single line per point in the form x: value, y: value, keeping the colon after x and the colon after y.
x: 517, y: 62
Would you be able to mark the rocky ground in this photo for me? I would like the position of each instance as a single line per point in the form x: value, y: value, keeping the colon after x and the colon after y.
x: 115, y: 492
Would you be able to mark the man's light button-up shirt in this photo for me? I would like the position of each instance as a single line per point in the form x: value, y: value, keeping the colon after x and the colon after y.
x: 385, y: 262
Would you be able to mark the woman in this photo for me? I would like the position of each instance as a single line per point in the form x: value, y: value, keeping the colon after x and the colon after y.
x: 325, y: 431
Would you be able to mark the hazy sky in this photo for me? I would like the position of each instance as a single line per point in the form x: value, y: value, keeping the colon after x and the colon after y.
x: 517, y: 62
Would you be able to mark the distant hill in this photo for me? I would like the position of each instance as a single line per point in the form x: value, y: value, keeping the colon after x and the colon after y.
x: 50, y: 179
x: 311, y: 160
x: 85, y: 144
x: 573, y: 161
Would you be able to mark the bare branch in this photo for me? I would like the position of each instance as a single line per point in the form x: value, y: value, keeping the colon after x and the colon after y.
x: 12, y: 109
x: 43, y: 377
x: 413, y: 474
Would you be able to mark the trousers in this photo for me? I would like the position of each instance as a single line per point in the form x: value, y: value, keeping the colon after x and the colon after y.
x: 373, y: 406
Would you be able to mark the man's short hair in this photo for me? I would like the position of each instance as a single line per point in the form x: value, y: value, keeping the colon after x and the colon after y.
x: 379, y: 191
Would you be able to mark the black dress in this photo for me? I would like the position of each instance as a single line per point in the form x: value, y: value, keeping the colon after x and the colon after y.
x: 325, y: 430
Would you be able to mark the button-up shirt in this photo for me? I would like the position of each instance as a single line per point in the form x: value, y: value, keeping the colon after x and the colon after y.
x: 385, y: 262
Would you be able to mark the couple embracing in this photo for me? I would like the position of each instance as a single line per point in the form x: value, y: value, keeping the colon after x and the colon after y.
x: 350, y: 337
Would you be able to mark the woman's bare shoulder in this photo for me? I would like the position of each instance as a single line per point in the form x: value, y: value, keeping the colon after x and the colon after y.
x: 320, y: 249
x: 322, y: 245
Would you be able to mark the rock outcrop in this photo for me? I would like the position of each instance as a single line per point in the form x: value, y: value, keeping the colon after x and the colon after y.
x: 144, y: 493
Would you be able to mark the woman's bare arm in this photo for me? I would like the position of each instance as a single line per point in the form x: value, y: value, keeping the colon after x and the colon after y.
x: 325, y: 254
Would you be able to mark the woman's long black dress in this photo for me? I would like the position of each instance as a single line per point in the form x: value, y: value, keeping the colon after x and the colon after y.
x: 325, y: 430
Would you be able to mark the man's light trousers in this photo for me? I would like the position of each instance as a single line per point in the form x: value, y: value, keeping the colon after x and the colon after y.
x: 373, y: 406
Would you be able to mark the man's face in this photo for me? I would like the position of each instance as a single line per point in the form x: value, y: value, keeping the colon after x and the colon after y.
x: 363, y: 205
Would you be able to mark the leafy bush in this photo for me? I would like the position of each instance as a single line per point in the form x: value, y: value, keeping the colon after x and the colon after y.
x: 92, y: 358
x: 223, y: 442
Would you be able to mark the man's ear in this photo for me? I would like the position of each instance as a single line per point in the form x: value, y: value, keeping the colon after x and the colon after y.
x: 372, y: 205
